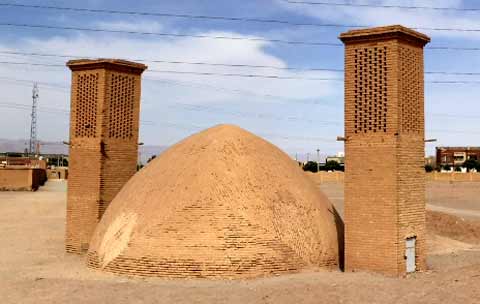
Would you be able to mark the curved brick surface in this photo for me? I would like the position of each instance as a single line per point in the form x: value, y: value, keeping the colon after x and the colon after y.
x: 222, y: 203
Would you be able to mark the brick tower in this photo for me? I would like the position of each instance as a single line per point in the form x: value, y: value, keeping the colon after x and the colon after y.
x: 384, y: 149
x: 104, y: 123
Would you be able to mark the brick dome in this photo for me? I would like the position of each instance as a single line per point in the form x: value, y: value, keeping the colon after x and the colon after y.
x: 222, y: 203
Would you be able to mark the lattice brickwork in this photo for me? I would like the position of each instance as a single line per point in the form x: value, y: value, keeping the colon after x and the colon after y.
x: 384, y: 149
x: 122, y: 101
x: 411, y: 89
x: 370, y: 89
x: 86, y: 105
x: 105, y: 108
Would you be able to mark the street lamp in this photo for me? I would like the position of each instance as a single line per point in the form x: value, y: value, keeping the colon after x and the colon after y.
x: 318, y: 160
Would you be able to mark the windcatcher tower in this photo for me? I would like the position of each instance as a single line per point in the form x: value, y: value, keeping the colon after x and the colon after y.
x: 104, y: 123
x: 384, y: 133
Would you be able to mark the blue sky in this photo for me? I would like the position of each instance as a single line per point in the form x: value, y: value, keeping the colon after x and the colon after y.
x: 297, y: 115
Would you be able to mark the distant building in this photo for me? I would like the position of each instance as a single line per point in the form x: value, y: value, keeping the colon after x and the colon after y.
x: 456, y: 156
x: 14, y: 159
x: 339, y: 158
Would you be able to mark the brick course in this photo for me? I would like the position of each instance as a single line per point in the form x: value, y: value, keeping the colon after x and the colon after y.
x: 384, y: 116
x: 104, y: 123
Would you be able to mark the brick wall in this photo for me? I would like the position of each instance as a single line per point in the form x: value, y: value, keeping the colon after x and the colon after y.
x: 384, y: 116
x: 104, y: 123
x: 21, y: 179
x: 454, y: 176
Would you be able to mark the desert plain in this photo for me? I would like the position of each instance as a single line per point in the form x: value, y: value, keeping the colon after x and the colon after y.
x: 34, y: 267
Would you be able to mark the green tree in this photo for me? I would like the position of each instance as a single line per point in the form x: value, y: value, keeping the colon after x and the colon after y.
x: 471, y: 164
x: 332, y: 165
x: 311, y: 166
x: 429, y: 168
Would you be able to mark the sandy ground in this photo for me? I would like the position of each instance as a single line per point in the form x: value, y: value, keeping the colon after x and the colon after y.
x: 35, y: 269
x: 459, y: 198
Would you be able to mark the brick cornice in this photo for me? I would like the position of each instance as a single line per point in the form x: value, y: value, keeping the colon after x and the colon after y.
x: 384, y: 33
x: 108, y: 64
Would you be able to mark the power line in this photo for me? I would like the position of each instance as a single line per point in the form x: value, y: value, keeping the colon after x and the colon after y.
x: 43, y: 83
x: 291, y: 137
x: 286, y: 137
x: 245, y: 75
x: 454, y: 81
x: 253, y: 39
x: 256, y: 115
x: 410, y: 7
x: 276, y: 135
x: 263, y: 116
x: 223, y: 111
x: 453, y: 131
x: 241, y: 75
x: 40, y: 108
x: 194, y: 73
x: 185, y: 16
x: 183, y: 62
x: 450, y: 48
x: 51, y: 110
x: 33, y: 64
x: 26, y: 107
x: 213, y: 64
x: 252, y: 75
x: 226, y: 18
x: 241, y: 92
x: 454, y: 116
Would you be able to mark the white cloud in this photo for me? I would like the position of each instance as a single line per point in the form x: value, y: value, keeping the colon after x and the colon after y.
x: 198, y: 50
x: 156, y: 95
x: 418, y: 18
x: 141, y: 26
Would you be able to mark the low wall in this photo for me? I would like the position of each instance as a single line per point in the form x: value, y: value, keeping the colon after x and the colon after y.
x: 21, y: 179
x: 57, y: 173
x: 454, y: 176
x: 24, y: 162
x: 327, y: 177
x: 338, y: 177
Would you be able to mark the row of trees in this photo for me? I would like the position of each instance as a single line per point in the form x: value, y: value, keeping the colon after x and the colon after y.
x: 470, y: 165
x: 312, y: 166
x: 328, y: 166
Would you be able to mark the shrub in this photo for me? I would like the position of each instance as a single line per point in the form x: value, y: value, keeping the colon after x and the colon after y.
x: 471, y: 164
x: 311, y: 166
x: 332, y: 165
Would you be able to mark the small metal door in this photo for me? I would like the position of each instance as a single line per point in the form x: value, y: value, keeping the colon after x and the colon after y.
x: 410, y: 254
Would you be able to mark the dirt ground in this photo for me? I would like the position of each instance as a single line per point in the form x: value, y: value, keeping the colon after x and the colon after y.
x: 35, y: 269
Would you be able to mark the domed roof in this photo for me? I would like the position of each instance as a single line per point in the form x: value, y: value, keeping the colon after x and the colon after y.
x: 221, y: 203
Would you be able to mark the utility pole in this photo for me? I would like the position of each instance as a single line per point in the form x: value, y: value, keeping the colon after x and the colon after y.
x: 318, y: 160
x: 33, y: 127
